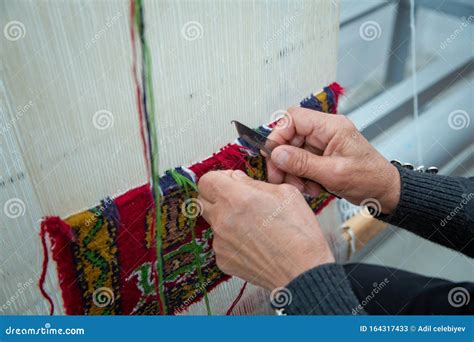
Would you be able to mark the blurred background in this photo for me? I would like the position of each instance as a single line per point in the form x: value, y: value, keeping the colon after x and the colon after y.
x: 376, y: 60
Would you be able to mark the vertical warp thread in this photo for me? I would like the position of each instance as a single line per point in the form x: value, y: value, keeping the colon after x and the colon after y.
x: 143, y: 120
x: 145, y: 140
x: 137, y: 14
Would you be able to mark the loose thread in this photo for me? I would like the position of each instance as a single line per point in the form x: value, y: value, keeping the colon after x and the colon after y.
x: 44, y: 269
x: 138, y: 94
x: 186, y: 183
x: 149, y: 115
x: 154, y: 270
x: 236, y: 300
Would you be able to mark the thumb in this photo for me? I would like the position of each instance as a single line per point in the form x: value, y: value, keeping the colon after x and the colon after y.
x: 302, y: 163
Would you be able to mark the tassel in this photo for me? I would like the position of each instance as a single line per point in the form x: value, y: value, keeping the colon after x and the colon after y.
x: 337, y: 89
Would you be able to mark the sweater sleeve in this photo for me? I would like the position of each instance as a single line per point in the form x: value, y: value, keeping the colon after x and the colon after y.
x: 383, y: 290
x: 323, y: 290
x: 437, y: 208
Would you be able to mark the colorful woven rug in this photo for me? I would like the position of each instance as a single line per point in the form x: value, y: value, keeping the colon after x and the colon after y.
x: 109, y: 259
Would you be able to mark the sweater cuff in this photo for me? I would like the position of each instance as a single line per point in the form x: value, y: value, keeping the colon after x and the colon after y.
x: 323, y: 290
x: 427, y: 196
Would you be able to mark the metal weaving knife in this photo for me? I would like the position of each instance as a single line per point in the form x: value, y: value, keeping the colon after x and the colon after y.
x: 255, y: 139
x: 260, y: 142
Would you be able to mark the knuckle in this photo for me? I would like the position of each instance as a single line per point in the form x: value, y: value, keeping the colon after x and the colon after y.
x: 205, y: 181
x: 347, y: 124
x: 293, y: 113
x: 207, y: 185
x: 293, y: 110
x: 344, y: 120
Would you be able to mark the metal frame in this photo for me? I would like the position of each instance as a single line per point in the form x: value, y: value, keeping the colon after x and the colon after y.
x: 457, y: 8
x: 401, y: 33
x: 400, y: 44
x: 397, y: 103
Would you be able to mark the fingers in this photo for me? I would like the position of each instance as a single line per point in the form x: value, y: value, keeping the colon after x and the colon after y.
x: 277, y: 176
x: 213, y: 186
x: 313, y: 150
x: 312, y: 189
x: 297, y: 140
x: 274, y: 174
x: 315, y: 127
x: 303, y: 185
x: 213, y: 183
x: 305, y: 127
x: 217, y: 184
x: 302, y: 163
x: 298, y: 182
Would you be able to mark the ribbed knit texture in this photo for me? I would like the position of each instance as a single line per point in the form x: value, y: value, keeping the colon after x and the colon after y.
x: 437, y: 208
x: 323, y: 290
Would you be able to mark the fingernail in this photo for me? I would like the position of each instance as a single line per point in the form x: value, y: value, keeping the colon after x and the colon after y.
x: 280, y: 157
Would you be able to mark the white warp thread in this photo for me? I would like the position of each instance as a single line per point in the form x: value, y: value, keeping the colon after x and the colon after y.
x: 69, y: 96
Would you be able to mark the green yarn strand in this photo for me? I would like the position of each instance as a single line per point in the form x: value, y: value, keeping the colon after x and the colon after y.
x: 189, y: 185
x: 152, y: 135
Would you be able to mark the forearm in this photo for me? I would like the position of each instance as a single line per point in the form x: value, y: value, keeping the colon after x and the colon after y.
x: 437, y: 208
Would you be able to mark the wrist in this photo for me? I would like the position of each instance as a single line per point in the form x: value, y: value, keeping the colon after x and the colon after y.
x: 302, y: 261
x: 389, y: 200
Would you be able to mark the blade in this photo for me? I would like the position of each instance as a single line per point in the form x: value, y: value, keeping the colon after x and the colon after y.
x: 255, y: 139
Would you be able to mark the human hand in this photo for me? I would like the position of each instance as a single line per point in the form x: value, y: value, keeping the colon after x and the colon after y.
x: 326, y: 149
x: 263, y: 233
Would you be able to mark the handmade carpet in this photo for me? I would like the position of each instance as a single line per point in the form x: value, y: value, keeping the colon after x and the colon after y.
x: 107, y: 257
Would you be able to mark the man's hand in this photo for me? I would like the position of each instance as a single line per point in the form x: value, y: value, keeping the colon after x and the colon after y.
x: 263, y: 233
x: 328, y: 150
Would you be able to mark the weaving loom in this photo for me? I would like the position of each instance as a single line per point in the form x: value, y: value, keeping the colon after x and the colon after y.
x: 111, y: 248
x: 111, y: 258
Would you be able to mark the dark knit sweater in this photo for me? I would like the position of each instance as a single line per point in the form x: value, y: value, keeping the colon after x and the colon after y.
x: 437, y: 208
